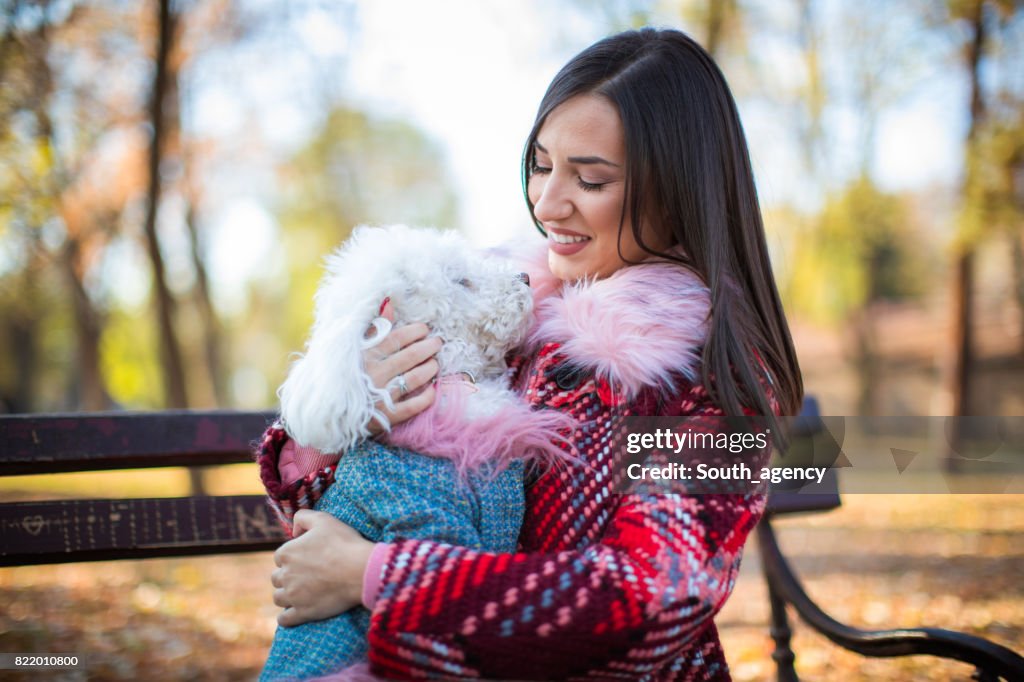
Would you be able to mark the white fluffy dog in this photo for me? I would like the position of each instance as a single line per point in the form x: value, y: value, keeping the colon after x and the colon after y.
x: 480, y: 306
x: 403, y: 486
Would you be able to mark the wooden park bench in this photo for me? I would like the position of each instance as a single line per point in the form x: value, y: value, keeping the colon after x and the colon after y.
x: 58, y: 531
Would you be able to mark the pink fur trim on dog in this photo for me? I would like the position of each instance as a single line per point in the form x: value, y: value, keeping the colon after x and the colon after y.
x: 514, y: 432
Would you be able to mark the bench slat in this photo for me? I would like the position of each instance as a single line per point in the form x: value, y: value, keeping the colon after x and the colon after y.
x: 31, y: 444
x: 91, y: 530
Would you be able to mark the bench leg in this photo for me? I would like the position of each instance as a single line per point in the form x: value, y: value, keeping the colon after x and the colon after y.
x: 781, y: 633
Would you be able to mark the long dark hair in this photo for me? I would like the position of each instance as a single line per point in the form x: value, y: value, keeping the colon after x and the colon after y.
x: 688, y: 173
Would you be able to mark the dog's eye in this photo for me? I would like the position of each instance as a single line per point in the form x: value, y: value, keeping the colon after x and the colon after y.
x: 463, y: 282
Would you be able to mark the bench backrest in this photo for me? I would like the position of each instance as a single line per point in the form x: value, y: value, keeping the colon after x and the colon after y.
x: 57, y: 531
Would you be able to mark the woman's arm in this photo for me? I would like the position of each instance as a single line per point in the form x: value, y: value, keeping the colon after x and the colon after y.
x: 640, y: 596
x: 302, y: 588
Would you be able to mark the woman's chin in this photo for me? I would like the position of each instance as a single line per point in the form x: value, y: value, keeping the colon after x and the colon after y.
x: 575, y: 268
x: 564, y: 268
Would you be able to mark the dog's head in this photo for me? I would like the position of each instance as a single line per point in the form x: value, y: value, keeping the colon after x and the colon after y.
x: 480, y: 306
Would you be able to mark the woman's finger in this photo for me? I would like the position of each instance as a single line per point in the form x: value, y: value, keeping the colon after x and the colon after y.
x: 289, y: 618
x: 409, y: 357
x: 399, y: 338
x: 403, y: 362
x: 415, y: 379
x: 303, y: 521
x: 280, y: 599
x: 412, y: 406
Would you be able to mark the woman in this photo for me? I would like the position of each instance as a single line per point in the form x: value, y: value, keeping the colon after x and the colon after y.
x: 654, y: 297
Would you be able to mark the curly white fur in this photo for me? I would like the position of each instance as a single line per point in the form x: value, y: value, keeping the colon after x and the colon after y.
x: 477, y: 304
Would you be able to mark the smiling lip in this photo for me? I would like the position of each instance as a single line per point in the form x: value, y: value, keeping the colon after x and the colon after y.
x: 567, y: 249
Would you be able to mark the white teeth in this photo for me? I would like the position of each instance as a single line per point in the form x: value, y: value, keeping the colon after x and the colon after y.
x: 566, y: 239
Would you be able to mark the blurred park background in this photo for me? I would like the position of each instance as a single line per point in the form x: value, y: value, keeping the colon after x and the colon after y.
x: 172, y: 173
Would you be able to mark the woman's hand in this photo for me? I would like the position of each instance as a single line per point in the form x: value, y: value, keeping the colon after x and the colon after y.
x: 405, y: 354
x: 320, y: 572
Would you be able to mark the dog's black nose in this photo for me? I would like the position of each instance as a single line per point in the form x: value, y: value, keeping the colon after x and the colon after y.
x: 524, y: 278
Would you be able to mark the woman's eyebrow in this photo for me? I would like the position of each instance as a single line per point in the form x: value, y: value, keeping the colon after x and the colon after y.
x: 580, y: 159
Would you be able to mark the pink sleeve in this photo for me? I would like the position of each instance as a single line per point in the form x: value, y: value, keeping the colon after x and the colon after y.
x: 372, y: 574
x: 296, y: 462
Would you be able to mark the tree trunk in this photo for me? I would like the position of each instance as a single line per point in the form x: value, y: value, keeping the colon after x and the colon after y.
x: 1017, y: 246
x: 90, y: 391
x: 211, y: 326
x: 812, y: 101
x: 23, y: 334
x: 716, y: 10
x: 963, y: 275
x: 866, y: 360
x: 963, y: 306
x: 175, y: 392
x: 22, y: 326
x: 963, y: 314
x: 23, y: 323
x: 87, y: 384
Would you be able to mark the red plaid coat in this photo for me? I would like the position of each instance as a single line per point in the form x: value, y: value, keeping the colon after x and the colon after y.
x: 603, y: 585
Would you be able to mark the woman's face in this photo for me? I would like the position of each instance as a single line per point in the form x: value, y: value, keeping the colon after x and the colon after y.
x: 577, y: 188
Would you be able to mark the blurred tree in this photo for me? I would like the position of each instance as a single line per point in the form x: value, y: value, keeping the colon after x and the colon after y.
x: 812, y: 96
x: 982, y: 19
x: 993, y: 185
x: 89, y: 164
x: 972, y: 12
x: 357, y: 169
x: 880, y: 49
x: 175, y: 395
x: 57, y: 139
x: 994, y: 204
x: 884, y: 53
x: 861, y: 252
x: 198, y: 30
x: 613, y: 15
x: 721, y: 21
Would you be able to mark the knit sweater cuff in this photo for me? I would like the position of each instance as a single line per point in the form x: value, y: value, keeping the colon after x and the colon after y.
x: 374, y: 572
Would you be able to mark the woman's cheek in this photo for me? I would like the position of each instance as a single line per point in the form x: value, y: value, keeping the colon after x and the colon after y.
x: 534, y: 188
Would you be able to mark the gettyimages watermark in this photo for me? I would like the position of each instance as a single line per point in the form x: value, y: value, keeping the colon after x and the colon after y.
x: 912, y: 455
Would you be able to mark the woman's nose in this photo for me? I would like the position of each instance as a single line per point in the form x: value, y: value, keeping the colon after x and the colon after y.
x: 551, y: 204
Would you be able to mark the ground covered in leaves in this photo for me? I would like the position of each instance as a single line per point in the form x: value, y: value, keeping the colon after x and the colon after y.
x: 884, y: 561
x: 951, y: 561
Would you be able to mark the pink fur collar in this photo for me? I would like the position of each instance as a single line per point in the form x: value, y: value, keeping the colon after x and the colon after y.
x: 634, y: 328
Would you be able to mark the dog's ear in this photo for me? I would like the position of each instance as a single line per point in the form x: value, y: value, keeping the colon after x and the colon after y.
x: 327, y: 401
